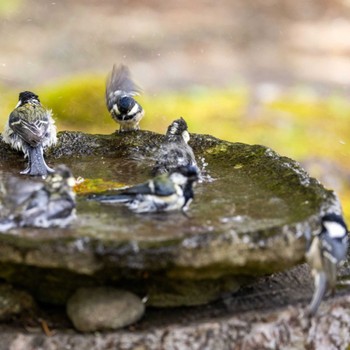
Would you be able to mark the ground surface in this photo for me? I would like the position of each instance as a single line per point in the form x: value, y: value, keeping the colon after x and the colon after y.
x: 254, y: 318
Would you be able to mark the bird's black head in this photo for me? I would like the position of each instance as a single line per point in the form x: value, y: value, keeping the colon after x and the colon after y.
x: 189, y: 171
x: 26, y: 96
x: 125, y: 104
x: 177, y: 127
x: 62, y: 176
x: 63, y: 171
x: 332, y: 217
x: 334, y: 224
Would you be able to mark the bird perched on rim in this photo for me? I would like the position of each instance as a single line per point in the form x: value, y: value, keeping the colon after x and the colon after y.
x: 175, y: 150
x: 120, y: 92
x: 326, y: 251
x: 166, y: 192
x: 27, y: 203
x: 31, y: 129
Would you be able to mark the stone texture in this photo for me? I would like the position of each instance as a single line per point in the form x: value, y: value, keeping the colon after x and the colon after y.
x: 97, y: 309
x: 253, y: 219
x: 14, y: 302
x: 280, y: 329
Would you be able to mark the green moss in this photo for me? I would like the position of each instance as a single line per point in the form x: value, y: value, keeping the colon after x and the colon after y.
x: 78, y: 104
x: 86, y: 186
x: 222, y: 148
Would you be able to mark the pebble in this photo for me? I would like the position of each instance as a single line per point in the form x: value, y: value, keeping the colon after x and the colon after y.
x: 103, y: 308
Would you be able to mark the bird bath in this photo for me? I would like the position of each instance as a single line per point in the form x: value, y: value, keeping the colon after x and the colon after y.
x: 251, y: 216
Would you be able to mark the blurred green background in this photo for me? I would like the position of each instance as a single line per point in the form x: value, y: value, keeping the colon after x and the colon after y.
x: 268, y: 72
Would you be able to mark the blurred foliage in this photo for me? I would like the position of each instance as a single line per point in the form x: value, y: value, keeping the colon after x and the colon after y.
x: 295, y: 122
x: 9, y: 7
x: 78, y: 104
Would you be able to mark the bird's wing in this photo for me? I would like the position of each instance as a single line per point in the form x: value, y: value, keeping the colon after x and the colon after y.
x: 60, y: 208
x: 111, y: 198
x: 18, y: 191
x: 144, y: 188
x: 159, y: 186
x: 164, y: 188
x: 30, y: 209
x: 119, y: 82
x: 30, y: 124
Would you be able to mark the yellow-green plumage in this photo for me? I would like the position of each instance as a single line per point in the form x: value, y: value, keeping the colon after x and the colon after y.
x: 30, y: 129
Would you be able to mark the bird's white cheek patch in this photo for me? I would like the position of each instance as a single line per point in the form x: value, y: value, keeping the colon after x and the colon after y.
x: 115, y: 109
x: 178, y: 179
x: 334, y: 229
x: 173, y: 129
x: 186, y: 136
x: 151, y: 186
x: 71, y: 182
x: 133, y: 110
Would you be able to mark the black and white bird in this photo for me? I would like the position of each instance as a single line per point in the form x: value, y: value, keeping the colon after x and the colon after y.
x: 166, y: 192
x: 120, y: 92
x: 326, y: 251
x: 29, y: 203
x: 175, y: 150
x: 31, y: 129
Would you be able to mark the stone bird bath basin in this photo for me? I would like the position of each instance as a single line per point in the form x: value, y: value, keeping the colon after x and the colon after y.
x: 252, y: 216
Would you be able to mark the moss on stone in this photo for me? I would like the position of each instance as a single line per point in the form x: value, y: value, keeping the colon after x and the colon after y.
x: 275, y: 199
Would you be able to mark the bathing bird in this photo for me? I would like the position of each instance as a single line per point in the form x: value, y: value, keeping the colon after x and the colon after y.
x: 165, y: 192
x: 29, y: 203
x: 120, y: 92
x: 326, y: 251
x: 31, y: 129
x: 175, y: 150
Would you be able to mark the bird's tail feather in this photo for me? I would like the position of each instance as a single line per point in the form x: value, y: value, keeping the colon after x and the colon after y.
x: 113, y: 198
x: 320, y: 291
x: 36, y: 162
